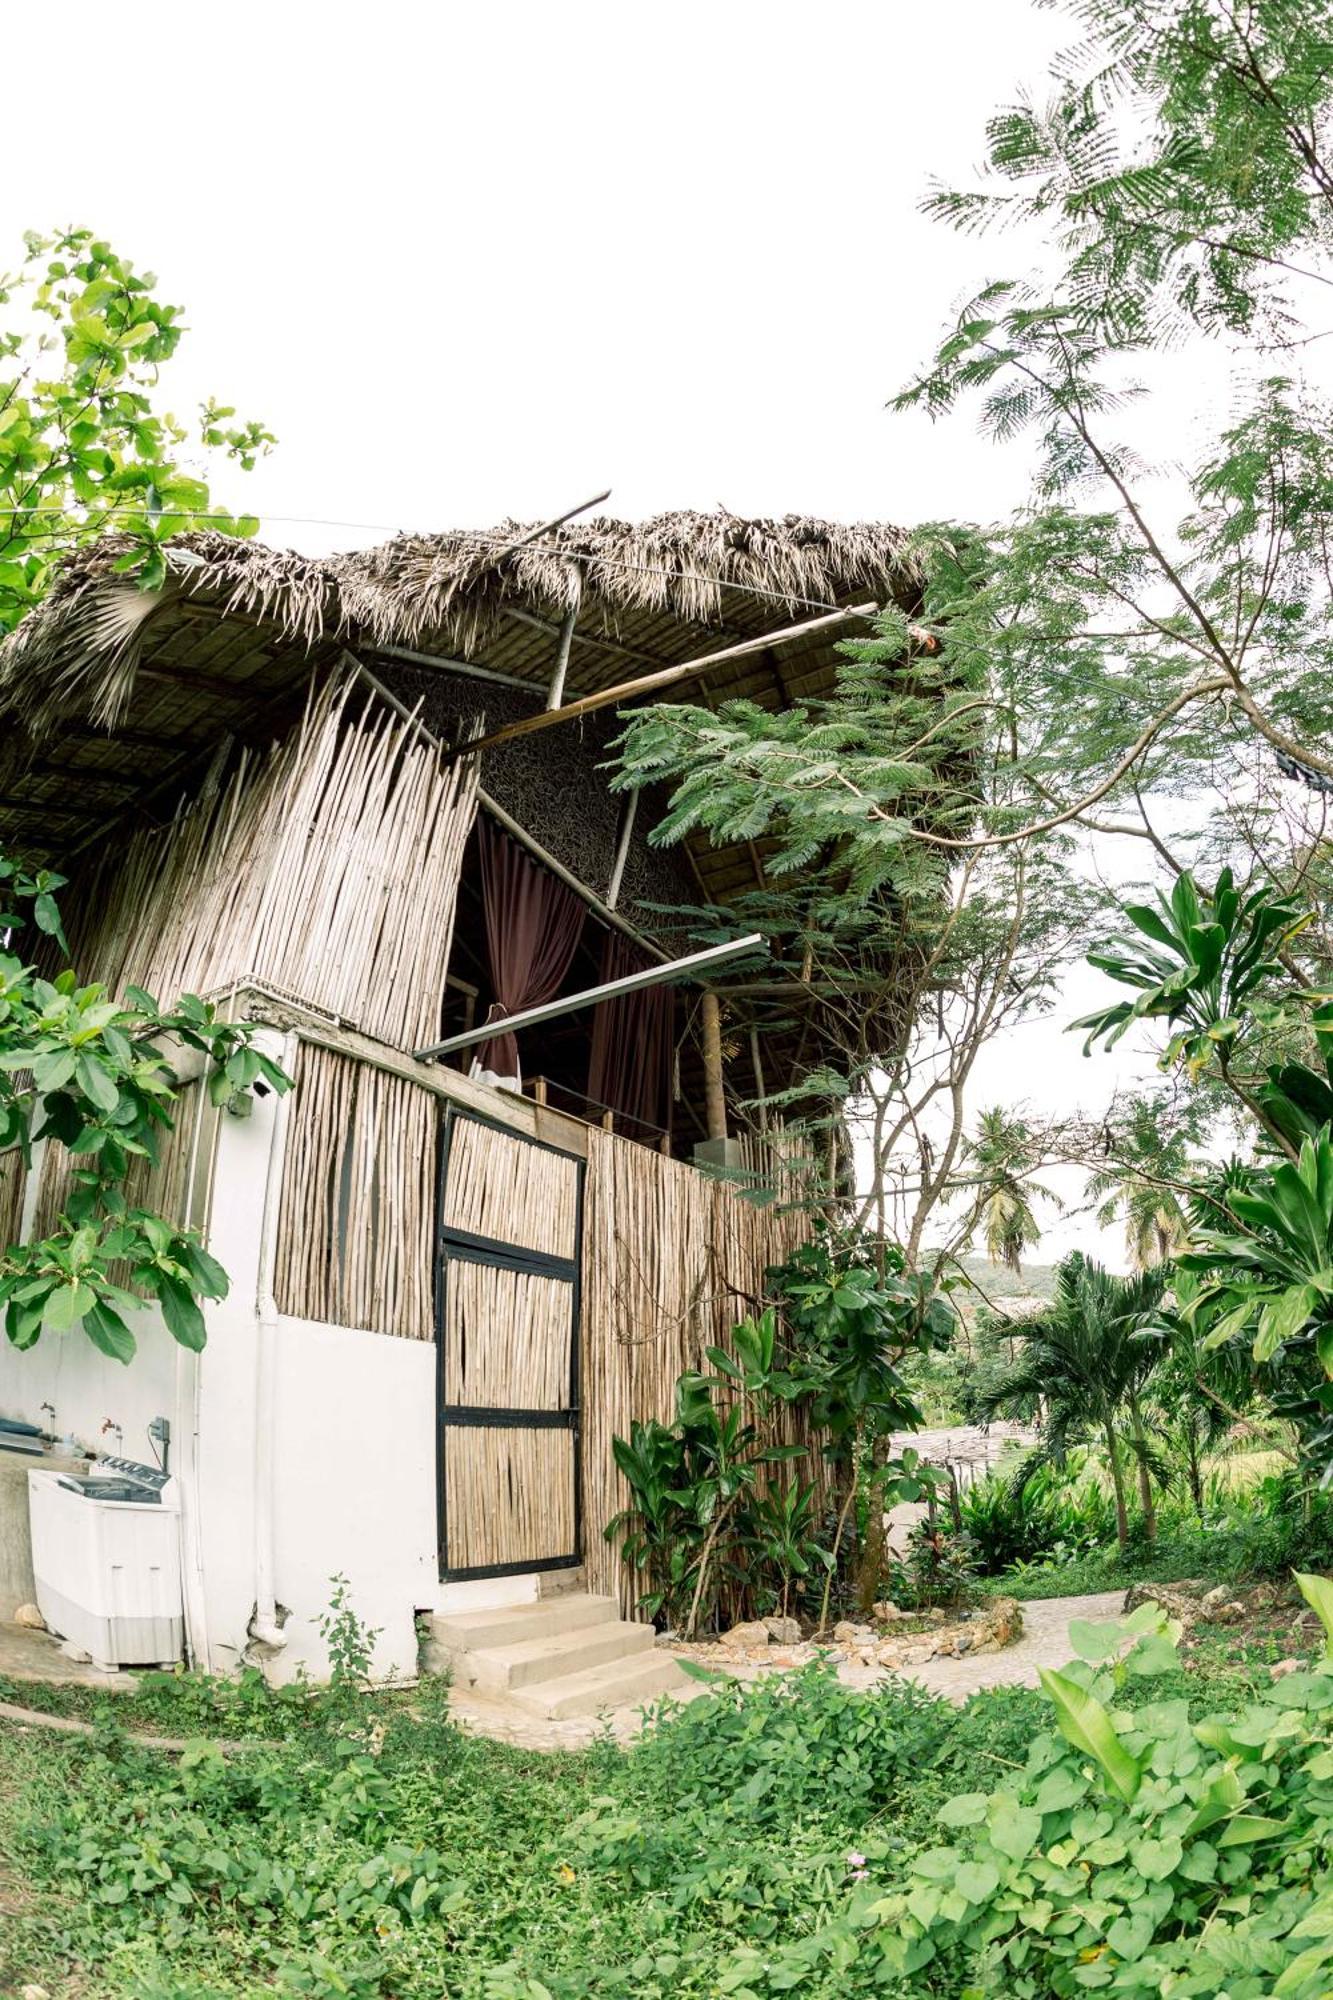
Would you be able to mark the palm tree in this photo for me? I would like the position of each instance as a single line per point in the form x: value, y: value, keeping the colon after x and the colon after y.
x: 1142, y: 1190
x: 1085, y: 1358
x: 1002, y: 1155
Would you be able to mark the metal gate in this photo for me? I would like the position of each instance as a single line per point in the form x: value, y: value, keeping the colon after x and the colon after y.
x: 507, y: 1332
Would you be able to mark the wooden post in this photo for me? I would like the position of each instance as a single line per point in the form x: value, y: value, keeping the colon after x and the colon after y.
x: 715, y: 1101
x: 608, y: 1121
x: 539, y: 1090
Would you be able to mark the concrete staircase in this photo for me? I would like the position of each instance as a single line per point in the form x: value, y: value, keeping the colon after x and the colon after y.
x: 566, y: 1655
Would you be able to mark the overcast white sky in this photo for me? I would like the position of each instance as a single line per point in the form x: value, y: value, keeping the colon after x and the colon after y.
x: 476, y: 261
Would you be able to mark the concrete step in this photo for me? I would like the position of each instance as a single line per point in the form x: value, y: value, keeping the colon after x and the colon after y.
x: 622, y: 1683
x: 504, y: 1668
x: 452, y: 1634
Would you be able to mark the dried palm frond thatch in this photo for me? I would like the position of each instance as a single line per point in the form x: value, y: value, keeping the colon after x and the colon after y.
x: 77, y: 653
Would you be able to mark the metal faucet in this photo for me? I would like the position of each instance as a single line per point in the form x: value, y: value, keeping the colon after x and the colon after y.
x: 117, y: 1432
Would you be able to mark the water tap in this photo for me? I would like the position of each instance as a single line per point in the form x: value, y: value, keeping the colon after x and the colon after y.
x: 118, y: 1435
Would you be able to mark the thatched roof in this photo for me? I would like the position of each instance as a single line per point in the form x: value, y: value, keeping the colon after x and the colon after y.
x: 132, y: 688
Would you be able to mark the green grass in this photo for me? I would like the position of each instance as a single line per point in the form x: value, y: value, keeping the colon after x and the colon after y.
x: 380, y: 1853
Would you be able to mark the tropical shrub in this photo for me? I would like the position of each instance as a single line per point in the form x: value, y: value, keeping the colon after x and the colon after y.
x: 712, y: 1520
x: 1135, y: 1851
x: 1026, y: 1514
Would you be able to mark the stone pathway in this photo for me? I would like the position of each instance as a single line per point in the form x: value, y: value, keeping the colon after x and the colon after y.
x: 1045, y: 1643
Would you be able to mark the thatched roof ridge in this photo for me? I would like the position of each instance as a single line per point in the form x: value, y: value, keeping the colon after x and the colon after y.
x: 445, y: 592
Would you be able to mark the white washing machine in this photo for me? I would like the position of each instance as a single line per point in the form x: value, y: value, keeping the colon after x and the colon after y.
x: 106, y: 1557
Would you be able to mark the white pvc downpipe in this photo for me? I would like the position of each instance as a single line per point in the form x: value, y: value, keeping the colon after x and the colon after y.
x: 264, y: 1626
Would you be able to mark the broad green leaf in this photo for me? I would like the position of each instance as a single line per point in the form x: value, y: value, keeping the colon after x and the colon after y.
x: 1014, y: 1829
x: 976, y: 1881
x: 1086, y: 1724
x: 1318, y: 1594
x: 965, y: 1809
x: 1096, y: 1641
x: 181, y: 1312
x: 108, y: 1332
x: 1249, y: 1828
x: 66, y: 1306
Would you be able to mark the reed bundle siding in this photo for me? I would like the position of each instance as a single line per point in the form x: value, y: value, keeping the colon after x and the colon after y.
x: 327, y: 868
x: 177, y: 1187
x: 510, y: 1495
x: 671, y: 1260
x: 13, y: 1176
x: 516, y: 1194
x: 356, y: 1229
x: 507, y: 1338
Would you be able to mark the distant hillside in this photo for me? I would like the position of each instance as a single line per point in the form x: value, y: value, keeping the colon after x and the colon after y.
x: 1035, y: 1282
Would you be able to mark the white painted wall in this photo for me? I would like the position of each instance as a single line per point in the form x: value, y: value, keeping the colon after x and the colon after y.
x: 354, y: 1417
x: 88, y: 1388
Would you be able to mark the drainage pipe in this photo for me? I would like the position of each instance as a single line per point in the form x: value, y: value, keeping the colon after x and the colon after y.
x: 264, y: 1626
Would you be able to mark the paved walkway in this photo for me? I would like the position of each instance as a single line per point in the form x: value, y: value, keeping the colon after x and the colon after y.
x: 33, y: 1656
x: 26, y: 1655
x: 1045, y: 1643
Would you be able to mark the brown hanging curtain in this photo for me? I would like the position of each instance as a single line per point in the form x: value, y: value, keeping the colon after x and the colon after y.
x: 630, y: 1070
x: 533, y: 926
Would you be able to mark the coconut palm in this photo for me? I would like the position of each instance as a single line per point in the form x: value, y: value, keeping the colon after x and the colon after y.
x: 1142, y: 1190
x: 1001, y: 1156
x: 1086, y: 1358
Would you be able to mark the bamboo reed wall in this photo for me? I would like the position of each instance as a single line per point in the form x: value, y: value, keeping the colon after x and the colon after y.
x: 12, y: 1181
x: 174, y: 1188
x: 327, y: 868
x: 521, y: 1194
x: 671, y: 1260
x: 356, y: 1229
x: 507, y: 1338
x: 510, y: 1495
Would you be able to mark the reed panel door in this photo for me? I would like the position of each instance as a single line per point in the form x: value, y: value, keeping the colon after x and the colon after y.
x: 507, y: 1327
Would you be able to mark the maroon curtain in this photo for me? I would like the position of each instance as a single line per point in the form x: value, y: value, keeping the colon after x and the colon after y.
x: 533, y: 926
x: 630, y: 1070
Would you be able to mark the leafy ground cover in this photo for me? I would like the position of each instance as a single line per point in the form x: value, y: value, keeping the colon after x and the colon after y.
x: 745, y: 1846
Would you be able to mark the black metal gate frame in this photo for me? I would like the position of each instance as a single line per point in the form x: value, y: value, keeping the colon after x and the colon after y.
x: 462, y: 1246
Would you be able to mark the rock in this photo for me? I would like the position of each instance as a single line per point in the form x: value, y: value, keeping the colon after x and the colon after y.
x: 29, y: 1615
x: 1213, y: 1600
x: 1178, y: 1600
x: 1282, y: 1668
x: 889, y: 1656
x: 962, y: 1644
x: 1000, y: 1624
x: 886, y: 1613
x: 782, y: 1660
x: 844, y: 1632
x: 33, y: 1993
x: 746, y: 1636
x: 785, y: 1631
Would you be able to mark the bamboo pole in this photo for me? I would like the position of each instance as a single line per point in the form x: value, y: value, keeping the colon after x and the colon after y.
x: 669, y: 676
x: 555, y: 694
x: 622, y: 851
